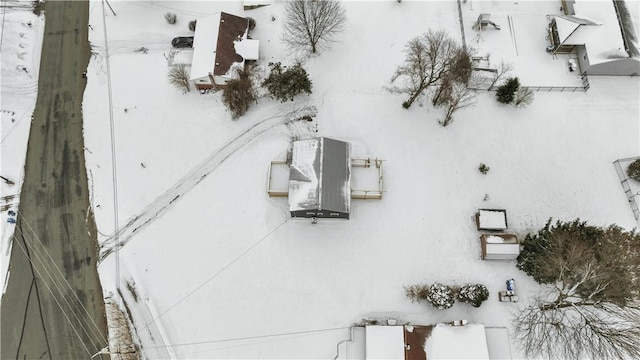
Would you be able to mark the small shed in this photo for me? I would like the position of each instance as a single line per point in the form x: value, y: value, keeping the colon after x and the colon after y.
x: 499, y: 246
x: 320, y: 179
x: 491, y: 219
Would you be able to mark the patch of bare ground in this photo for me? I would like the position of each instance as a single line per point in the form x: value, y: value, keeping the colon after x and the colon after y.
x: 121, y: 344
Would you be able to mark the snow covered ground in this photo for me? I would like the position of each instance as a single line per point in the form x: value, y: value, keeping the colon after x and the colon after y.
x: 20, y: 60
x: 214, y: 268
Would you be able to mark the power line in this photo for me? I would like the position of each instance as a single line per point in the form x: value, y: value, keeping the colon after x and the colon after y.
x: 254, y: 343
x: 15, y: 125
x: 92, y: 333
x: 64, y: 280
x: 4, y: 13
x: 251, y: 337
x: 55, y: 299
x: 55, y: 283
x: 113, y: 149
x: 215, y: 275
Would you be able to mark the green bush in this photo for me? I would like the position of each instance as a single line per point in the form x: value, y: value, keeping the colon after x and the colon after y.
x: 441, y: 296
x: 285, y: 83
x: 506, y: 92
x: 473, y: 294
x: 634, y: 170
x: 238, y: 94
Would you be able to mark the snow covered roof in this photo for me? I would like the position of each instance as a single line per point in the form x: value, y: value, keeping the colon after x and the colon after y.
x: 214, y: 44
x: 457, y: 342
x: 247, y: 48
x: 489, y: 219
x: 502, y: 248
x: 384, y: 342
x: 595, y: 26
x: 320, y: 175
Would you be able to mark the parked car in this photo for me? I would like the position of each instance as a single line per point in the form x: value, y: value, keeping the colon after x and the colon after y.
x: 182, y: 42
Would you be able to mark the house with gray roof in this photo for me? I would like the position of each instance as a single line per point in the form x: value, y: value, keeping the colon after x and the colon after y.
x: 320, y: 179
x: 593, y: 33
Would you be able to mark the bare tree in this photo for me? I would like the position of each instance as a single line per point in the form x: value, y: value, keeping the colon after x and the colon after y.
x: 428, y: 58
x: 459, y: 71
x: 179, y: 77
x: 417, y: 292
x: 457, y: 96
x: 502, y: 70
x: 607, y: 331
x: 310, y: 26
x: 523, y: 97
x: 591, y: 308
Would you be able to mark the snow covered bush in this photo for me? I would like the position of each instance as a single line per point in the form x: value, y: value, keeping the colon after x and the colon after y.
x: 634, y: 170
x: 484, y: 169
x: 473, y: 294
x: 171, y: 18
x: 417, y: 292
x: 238, y: 94
x: 506, y: 92
x: 192, y: 25
x: 441, y: 296
x: 285, y: 83
x: 252, y: 23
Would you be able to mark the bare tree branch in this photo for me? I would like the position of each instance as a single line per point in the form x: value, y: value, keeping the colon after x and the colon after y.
x: 428, y: 57
x: 312, y: 25
x: 179, y: 77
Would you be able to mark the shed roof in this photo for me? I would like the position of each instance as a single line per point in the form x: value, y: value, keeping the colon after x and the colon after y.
x: 384, y: 342
x: 492, y: 219
x: 320, y: 175
x: 457, y: 342
x: 214, y: 44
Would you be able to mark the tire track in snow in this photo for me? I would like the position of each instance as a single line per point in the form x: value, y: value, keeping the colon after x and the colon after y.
x: 164, y: 202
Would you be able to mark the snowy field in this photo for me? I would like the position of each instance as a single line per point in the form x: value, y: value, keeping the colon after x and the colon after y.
x: 20, y: 60
x: 214, y: 268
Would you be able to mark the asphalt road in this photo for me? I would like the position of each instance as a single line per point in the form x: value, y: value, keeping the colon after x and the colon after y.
x: 53, y: 307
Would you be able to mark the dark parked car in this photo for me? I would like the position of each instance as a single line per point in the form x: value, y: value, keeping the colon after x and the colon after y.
x: 182, y: 42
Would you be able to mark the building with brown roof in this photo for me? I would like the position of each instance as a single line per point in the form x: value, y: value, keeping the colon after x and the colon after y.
x: 220, y: 48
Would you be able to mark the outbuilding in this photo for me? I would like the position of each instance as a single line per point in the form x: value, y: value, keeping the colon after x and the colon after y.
x: 491, y: 219
x: 499, y: 246
x: 320, y: 179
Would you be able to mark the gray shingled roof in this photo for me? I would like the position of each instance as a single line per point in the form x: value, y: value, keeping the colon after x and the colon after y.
x: 320, y: 175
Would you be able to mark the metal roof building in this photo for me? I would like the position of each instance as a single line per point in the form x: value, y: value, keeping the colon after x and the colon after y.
x: 320, y: 179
